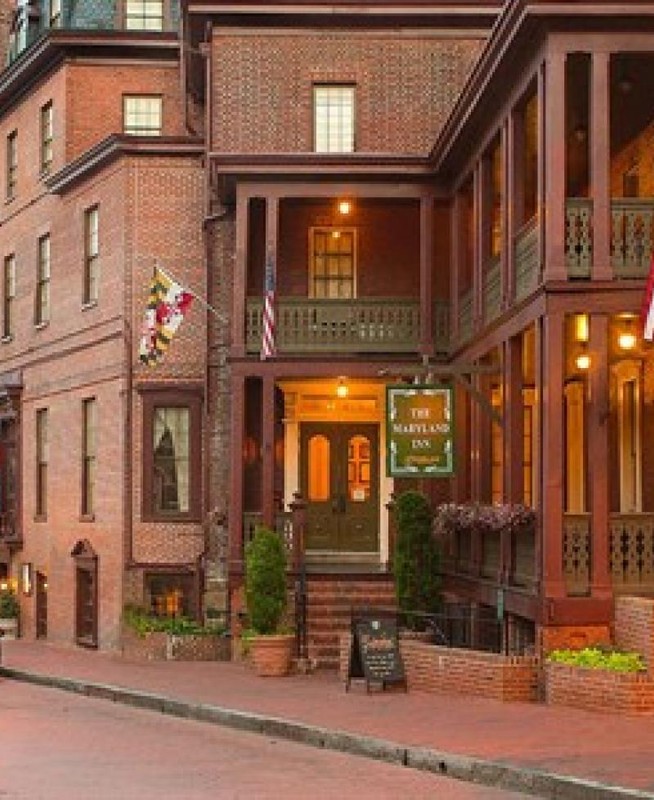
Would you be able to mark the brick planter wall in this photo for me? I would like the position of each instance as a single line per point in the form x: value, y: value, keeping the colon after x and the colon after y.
x: 599, y: 690
x: 432, y: 668
x: 159, y: 646
x: 634, y: 627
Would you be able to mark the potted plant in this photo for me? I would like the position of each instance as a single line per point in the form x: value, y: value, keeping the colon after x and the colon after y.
x: 266, y: 599
x: 416, y: 562
x: 9, y: 611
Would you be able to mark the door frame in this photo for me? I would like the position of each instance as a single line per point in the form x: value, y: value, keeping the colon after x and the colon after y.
x: 342, y: 431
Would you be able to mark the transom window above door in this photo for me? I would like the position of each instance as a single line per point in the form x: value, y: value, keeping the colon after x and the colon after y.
x: 333, y: 119
x: 333, y: 263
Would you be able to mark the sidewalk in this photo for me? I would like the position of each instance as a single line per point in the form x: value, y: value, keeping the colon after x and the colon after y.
x: 551, y: 751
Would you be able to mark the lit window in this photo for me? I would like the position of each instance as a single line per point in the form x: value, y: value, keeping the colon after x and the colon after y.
x: 9, y: 294
x: 332, y: 266
x: 91, y: 256
x: 12, y: 165
x: 46, y: 137
x: 42, y: 305
x: 333, y: 119
x: 144, y: 15
x: 142, y: 116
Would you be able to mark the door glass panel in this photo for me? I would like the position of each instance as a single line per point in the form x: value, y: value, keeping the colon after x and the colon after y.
x: 318, y: 463
x: 358, y: 469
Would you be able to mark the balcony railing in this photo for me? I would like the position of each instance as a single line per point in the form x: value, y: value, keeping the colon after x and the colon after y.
x: 527, y: 259
x: 465, y: 317
x: 492, y: 291
x: 631, y: 553
x: 366, y: 326
x: 632, y: 237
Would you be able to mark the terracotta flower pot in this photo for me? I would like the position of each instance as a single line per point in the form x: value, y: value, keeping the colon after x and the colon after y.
x: 271, y: 655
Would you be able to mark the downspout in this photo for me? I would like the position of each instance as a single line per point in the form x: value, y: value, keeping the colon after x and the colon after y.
x: 209, y: 285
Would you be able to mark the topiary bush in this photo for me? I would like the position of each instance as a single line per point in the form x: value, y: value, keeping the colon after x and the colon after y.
x: 9, y: 604
x: 417, y: 558
x: 265, y: 581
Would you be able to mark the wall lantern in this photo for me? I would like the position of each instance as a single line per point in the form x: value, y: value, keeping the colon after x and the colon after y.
x: 627, y: 338
x: 582, y: 361
x: 344, y: 207
x: 342, y: 390
x: 26, y: 578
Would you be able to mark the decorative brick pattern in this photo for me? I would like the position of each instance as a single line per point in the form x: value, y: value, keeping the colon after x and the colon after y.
x: 406, y: 86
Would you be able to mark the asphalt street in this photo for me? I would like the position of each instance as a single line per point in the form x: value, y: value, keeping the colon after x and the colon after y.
x: 57, y: 745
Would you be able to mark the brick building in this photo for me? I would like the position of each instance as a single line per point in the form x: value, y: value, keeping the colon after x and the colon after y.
x: 450, y: 187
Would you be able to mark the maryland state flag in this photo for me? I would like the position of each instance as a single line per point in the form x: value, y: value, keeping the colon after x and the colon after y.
x: 167, y: 304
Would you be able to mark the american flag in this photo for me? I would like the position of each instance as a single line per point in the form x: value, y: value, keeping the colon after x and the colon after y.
x: 647, y: 313
x: 268, y: 345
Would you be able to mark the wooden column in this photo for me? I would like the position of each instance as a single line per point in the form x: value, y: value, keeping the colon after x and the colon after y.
x: 513, y: 421
x: 554, y: 137
x: 479, y: 248
x: 235, y: 513
x: 426, y: 275
x: 268, y: 389
x: 600, y: 179
x: 455, y: 264
x: 514, y: 200
x: 268, y: 451
x: 240, y: 274
x: 476, y: 444
x: 550, y: 383
x: 598, y: 454
x: 461, y: 479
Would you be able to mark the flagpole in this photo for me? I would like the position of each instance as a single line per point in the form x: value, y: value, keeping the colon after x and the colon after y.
x: 219, y: 315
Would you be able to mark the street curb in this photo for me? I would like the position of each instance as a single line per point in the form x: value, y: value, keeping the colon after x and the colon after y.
x: 465, y: 768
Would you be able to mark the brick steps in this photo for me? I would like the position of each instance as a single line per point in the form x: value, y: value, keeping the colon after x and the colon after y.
x: 330, y: 602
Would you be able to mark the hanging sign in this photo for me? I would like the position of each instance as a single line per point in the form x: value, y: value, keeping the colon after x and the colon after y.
x: 419, y: 431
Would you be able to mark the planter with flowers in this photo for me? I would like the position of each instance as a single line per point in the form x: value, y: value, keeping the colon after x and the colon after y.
x: 490, y: 538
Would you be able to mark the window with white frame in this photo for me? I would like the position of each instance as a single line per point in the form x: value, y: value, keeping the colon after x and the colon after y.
x: 46, y: 137
x: 144, y: 15
x: 91, y: 255
x: 333, y: 108
x: 12, y: 165
x: 88, y: 455
x: 42, y: 300
x: 8, y: 296
x: 55, y: 13
x: 142, y: 115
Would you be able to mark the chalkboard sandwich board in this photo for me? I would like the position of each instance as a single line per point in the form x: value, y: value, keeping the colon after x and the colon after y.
x: 375, y: 651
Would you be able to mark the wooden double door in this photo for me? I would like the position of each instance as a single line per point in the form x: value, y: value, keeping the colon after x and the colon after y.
x: 339, y: 468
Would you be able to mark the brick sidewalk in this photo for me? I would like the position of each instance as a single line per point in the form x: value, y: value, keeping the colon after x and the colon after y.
x: 608, y: 749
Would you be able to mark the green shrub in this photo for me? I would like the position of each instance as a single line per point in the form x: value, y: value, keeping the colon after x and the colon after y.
x: 416, y: 563
x: 265, y: 581
x: 142, y: 622
x: 9, y: 605
x: 599, y: 658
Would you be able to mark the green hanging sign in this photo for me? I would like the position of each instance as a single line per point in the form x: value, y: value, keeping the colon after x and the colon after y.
x: 419, y: 431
